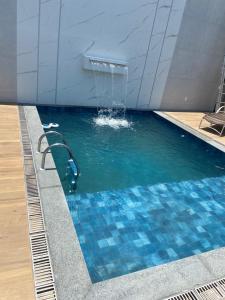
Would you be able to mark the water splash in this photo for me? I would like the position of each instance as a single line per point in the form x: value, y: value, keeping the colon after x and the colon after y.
x: 111, y: 92
x: 115, y: 123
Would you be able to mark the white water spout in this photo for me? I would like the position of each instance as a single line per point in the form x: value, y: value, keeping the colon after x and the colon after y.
x: 111, y: 78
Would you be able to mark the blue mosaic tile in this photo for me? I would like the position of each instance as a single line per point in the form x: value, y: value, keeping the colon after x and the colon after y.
x: 128, y: 230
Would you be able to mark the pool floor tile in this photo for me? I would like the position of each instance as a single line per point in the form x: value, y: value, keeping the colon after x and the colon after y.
x: 123, y: 231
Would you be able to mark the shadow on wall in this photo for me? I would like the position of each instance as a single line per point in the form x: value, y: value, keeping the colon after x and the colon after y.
x: 195, y: 71
x: 8, y: 76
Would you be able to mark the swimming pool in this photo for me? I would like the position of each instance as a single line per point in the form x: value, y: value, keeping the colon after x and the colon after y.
x: 147, y: 195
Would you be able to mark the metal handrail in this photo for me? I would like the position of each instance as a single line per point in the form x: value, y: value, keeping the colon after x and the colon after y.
x: 48, y: 133
x: 46, y: 151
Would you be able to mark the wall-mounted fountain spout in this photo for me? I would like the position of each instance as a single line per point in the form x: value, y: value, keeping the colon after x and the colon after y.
x: 100, y: 64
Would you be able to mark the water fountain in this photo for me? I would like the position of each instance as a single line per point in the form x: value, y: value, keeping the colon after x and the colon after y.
x: 110, y: 78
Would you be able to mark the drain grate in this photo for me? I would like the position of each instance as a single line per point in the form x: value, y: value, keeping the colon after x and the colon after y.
x: 44, y: 281
x: 36, y: 223
x: 28, y: 166
x: 27, y: 149
x: 221, y: 284
x: 32, y: 189
x: 212, y: 291
x: 184, y: 296
x: 43, y: 274
x: 21, y: 114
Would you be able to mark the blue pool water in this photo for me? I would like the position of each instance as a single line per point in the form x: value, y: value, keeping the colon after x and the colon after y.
x: 147, y: 195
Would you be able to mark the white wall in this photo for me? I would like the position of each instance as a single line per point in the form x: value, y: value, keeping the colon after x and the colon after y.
x: 53, y: 36
x: 27, y: 50
x: 194, y: 76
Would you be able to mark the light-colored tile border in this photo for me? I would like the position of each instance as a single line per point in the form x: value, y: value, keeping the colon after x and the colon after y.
x: 191, y: 130
x: 71, y: 276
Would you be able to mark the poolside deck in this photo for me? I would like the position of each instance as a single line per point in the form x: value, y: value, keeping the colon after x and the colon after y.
x: 16, y: 276
x: 190, y: 121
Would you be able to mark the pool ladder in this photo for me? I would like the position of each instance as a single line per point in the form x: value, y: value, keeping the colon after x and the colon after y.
x: 51, y: 132
x: 71, y: 161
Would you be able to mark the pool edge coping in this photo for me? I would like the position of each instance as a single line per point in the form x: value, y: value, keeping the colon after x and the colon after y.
x: 153, y: 283
x: 191, y: 130
x: 65, y: 252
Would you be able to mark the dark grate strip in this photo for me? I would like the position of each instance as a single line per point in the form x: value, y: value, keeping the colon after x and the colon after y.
x: 32, y: 189
x: 21, y: 114
x: 28, y: 166
x: 184, y: 296
x: 36, y: 222
x: 221, y: 284
x: 212, y: 291
x: 43, y: 274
